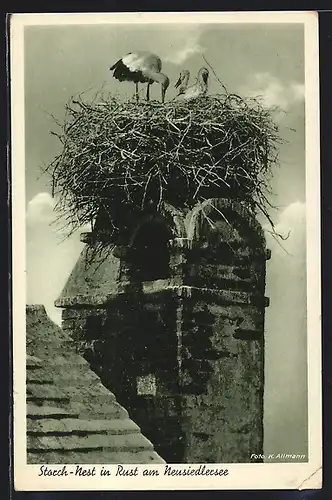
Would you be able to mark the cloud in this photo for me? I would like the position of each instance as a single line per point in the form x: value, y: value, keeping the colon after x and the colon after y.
x: 298, y: 90
x: 292, y: 217
x: 291, y: 225
x: 183, y: 45
x: 40, y: 209
x: 190, y: 48
x: 272, y: 91
x: 285, y: 335
x: 51, y: 254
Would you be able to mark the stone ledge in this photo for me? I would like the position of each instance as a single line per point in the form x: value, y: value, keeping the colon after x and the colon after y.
x: 93, y: 237
x: 185, y: 291
x: 176, y: 287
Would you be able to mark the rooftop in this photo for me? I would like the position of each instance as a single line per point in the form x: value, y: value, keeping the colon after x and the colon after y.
x: 71, y: 416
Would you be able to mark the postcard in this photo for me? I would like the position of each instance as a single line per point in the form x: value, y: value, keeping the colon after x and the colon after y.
x: 165, y: 177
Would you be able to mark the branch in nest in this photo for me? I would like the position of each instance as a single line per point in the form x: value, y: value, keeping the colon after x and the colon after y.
x: 145, y: 153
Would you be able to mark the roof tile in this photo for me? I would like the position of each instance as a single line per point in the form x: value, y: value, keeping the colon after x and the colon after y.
x: 71, y: 416
x: 118, y: 442
x: 45, y: 411
x: 93, y: 457
x: 78, y: 426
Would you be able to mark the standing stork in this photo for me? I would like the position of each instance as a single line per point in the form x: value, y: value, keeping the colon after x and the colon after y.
x: 182, y: 83
x: 199, y: 88
x: 141, y: 67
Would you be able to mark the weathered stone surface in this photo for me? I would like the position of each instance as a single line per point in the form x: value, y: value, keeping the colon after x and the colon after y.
x: 196, y: 330
x: 69, y: 412
x: 95, y: 274
x: 77, y: 426
x: 115, y: 442
x: 101, y: 456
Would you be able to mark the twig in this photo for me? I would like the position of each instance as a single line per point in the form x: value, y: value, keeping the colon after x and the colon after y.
x: 117, y: 152
x: 215, y: 74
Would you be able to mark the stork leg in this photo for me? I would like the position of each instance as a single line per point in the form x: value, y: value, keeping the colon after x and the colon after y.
x: 136, y: 91
x: 148, y: 92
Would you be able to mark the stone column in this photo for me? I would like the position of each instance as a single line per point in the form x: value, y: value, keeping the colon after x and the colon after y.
x: 220, y: 305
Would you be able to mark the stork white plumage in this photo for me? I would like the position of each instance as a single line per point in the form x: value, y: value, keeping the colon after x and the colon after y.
x: 199, y: 88
x: 182, y: 83
x: 141, y: 67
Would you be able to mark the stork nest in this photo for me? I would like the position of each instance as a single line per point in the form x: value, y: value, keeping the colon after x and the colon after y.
x: 145, y: 154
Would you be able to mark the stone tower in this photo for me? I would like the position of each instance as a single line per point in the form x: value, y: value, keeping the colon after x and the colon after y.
x: 172, y: 320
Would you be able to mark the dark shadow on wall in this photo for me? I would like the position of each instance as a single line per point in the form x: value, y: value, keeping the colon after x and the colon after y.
x: 149, y: 255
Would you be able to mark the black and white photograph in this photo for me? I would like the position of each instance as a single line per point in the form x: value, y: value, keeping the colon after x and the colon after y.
x: 166, y: 273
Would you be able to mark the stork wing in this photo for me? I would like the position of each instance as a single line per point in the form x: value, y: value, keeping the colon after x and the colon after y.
x: 192, y: 92
x: 115, y: 65
x: 142, y: 61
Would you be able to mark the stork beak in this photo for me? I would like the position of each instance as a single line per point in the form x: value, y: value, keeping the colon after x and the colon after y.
x: 178, y: 82
x: 164, y: 87
x: 163, y: 92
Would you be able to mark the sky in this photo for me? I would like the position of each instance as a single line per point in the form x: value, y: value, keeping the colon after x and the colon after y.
x: 250, y: 60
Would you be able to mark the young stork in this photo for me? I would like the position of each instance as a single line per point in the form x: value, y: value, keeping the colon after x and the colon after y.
x: 199, y: 88
x: 182, y: 83
x: 141, y: 67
